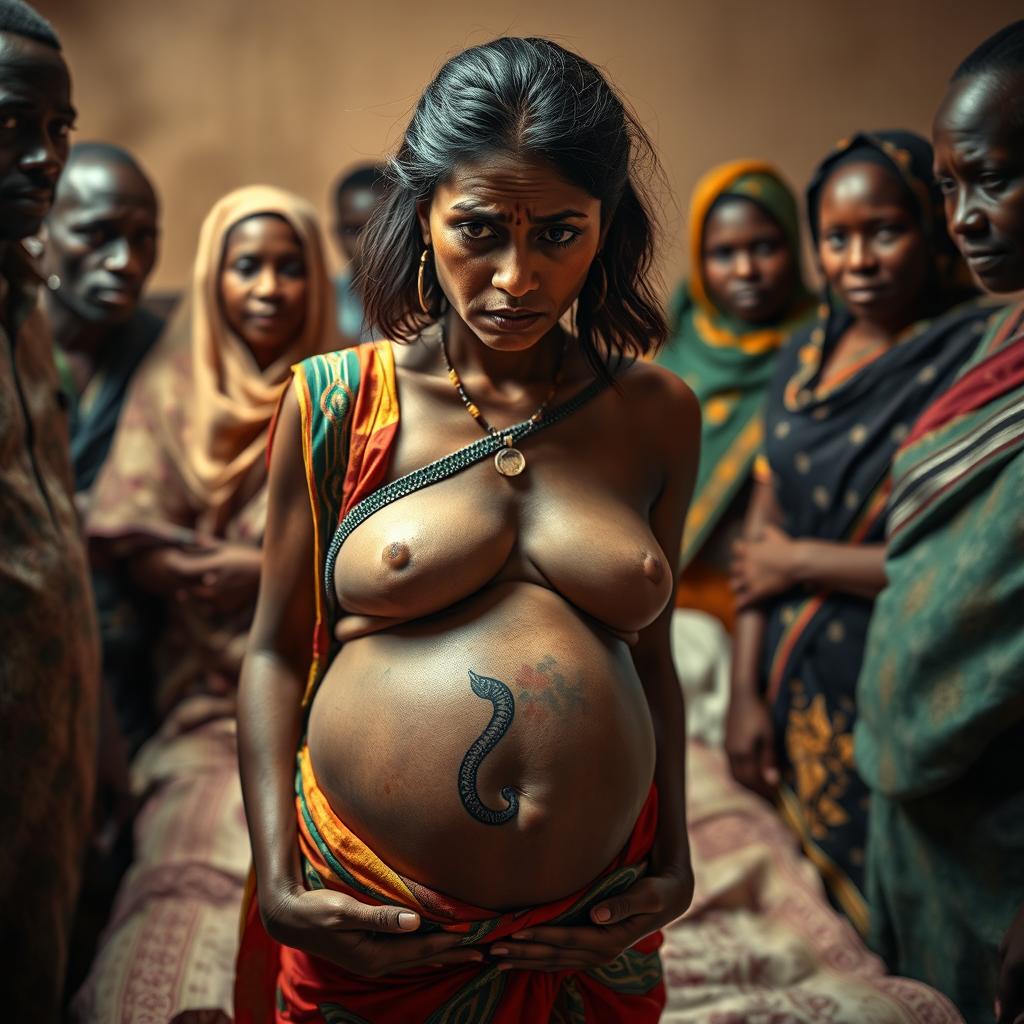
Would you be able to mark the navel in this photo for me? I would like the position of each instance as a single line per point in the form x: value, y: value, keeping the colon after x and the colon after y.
x: 653, y: 568
x: 396, y: 555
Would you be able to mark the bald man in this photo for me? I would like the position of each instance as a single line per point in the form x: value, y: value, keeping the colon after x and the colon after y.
x: 101, y: 245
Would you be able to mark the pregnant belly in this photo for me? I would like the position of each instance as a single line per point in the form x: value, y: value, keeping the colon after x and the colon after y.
x: 499, y: 752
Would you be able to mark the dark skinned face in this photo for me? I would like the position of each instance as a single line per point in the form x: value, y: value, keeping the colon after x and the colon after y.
x: 264, y: 285
x: 872, y: 248
x: 749, y: 269
x: 512, y: 245
x: 101, y: 239
x: 979, y: 163
x: 36, y: 117
x: 351, y: 215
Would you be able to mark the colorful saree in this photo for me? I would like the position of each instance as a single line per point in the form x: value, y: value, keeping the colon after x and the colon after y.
x: 829, y: 449
x: 349, y: 407
x: 728, y: 363
x: 941, y: 695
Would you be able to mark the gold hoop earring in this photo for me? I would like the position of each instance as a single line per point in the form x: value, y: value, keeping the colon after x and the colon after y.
x: 420, y: 290
x: 604, y: 283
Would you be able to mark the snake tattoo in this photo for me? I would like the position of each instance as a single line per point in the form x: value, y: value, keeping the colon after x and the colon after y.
x: 504, y: 704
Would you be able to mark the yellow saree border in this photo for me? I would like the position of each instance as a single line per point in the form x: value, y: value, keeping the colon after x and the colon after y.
x: 853, y: 903
x: 732, y: 466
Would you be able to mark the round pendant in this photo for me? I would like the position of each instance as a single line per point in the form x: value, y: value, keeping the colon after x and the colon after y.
x: 510, y: 461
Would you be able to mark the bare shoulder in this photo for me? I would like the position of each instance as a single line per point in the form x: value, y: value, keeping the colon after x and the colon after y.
x: 656, y: 397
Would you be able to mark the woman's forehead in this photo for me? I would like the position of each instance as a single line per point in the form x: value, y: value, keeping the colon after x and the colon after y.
x: 260, y: 229
x: 505, y: 181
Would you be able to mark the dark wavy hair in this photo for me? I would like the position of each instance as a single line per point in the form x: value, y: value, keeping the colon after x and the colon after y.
x: 536, y: 100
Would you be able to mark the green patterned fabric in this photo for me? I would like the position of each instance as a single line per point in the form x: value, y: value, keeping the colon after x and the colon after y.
x: 941, y: 699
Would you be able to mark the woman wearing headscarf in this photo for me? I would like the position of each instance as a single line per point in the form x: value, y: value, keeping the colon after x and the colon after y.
x: 892, y: 333
x: 180, y: 507
x: 745, y: 296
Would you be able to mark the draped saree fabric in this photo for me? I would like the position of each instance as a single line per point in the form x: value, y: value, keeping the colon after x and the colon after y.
x: 350, y: 416
x: 942, y: 705
x: 829, y: 448
x: 727, y: 362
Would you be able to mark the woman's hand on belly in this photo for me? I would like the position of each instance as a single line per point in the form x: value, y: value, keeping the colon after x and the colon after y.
x: 619, y: 923
x: 366, y: 940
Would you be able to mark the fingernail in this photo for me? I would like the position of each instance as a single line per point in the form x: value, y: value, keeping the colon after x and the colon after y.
x: 602, y: 914
x: 407, y: 920
x: 521, y: 935
x: 504, y: 967
x: 499, y: 951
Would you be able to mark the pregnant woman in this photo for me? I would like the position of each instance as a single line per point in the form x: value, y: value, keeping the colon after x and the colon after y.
x: 487, y: 822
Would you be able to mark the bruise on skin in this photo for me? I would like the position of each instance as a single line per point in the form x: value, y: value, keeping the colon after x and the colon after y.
x: 543, y: 690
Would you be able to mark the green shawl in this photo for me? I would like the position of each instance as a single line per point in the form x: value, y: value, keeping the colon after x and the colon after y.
x: 727, y: 362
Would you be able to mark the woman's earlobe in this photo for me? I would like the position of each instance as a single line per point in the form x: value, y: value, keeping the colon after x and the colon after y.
x: 423, y: 216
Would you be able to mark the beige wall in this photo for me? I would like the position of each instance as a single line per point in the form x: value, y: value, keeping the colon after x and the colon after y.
x: 213, y: 94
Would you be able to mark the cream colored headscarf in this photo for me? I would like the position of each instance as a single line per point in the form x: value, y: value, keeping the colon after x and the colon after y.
x: 227, y: 410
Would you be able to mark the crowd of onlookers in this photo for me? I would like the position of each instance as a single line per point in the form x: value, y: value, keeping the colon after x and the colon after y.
x: 855, y: 523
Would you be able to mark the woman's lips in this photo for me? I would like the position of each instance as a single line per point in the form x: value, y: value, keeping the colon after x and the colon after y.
x: 512, y: 321
x: 984, y: 259
x: 866, y: 293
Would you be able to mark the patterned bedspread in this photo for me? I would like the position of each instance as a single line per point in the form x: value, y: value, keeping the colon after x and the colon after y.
x: 760, y: 945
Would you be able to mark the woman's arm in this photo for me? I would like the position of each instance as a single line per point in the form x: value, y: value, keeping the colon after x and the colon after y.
x: 652, y: 654
x: 323, y: 922
x: 273, y: 675
x: 749, y: 740
x: 857, y: 569
x: 768, y: 561
x: 771, y: 562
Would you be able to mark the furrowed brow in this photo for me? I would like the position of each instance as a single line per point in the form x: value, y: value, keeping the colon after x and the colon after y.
x: 479, y: 210
x: 554, y: 218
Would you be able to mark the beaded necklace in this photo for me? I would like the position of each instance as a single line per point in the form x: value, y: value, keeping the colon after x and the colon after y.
x: 509, y: 461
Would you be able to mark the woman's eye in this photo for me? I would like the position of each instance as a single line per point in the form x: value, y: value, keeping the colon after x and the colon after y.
x: 888, y: 233
x: 293, y: 269
x: 560, y: 235
x: 8, y: 123
x: 835, y: 240
x: 992, y: 182
x: 245, y: 267
x: 766, y: 248
x: 720, y: 254
x: 476, y: 230
x: 62, y: 129
x: 947, y: 186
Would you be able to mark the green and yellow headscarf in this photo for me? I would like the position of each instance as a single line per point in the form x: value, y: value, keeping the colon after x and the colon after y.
x: 727, y: 362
